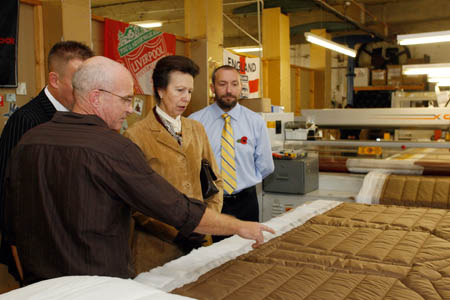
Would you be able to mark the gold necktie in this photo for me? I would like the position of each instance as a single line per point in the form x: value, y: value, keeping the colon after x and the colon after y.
x: 228, y: 157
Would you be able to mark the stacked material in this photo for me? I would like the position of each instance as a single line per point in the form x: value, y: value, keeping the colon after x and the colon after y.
x: 420, y: 191
x: 358, y: 165
x: 411, y: 161
x: 405, y: 190
x: 354, y: 251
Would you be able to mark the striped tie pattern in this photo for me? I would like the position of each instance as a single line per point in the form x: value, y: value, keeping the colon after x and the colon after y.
x: 228, y: 157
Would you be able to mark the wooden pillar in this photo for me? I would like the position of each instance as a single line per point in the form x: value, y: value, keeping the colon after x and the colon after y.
x: 203, y: 22
x: 39, y: 48
x: 65, y: 20
x: 276, y: 43
x: 320, y: 60
x: 296, y: 90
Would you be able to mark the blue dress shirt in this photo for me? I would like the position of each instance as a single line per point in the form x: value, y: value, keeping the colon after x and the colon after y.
x: 253, y: 159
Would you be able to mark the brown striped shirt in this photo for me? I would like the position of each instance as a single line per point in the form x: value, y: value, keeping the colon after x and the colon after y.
x: 70, y: 185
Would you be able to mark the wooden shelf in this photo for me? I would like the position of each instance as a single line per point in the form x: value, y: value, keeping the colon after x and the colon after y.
x: 389, y: 87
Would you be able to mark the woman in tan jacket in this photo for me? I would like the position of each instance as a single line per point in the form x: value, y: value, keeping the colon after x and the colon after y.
x: 174, y: 147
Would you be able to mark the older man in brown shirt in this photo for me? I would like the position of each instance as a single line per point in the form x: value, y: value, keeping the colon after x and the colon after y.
x: 72, y: 181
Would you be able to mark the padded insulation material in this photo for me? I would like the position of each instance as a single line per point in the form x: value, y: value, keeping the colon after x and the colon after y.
x: 354, y: 251
x: 422, y: 191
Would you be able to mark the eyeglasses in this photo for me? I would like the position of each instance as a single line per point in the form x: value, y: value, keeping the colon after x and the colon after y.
x: 128, y: 100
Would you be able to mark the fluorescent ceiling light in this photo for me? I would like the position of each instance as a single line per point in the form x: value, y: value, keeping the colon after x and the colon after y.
x: 443, y: 82
x: 249, y: 49
x: 148, y: 24
x: 315, y: 39
x: 438, y: 78
x: 424, y: 38
x: 432, y: 70
x: 440, y: 81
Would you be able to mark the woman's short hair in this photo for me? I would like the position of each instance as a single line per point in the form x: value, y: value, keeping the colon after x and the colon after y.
x: 168, y: 64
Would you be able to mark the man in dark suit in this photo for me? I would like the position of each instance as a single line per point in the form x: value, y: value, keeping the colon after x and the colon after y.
x: 63, y: 60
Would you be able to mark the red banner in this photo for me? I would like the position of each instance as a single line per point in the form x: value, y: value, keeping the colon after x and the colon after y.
x: 138, y: 49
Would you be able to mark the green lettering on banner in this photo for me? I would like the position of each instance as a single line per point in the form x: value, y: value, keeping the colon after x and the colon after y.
x: 138, y: 41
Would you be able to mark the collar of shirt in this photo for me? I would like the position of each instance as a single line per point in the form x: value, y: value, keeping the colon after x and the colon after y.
x: 75, y: 118
x: 58, y: 106
x: 175, y: 123
x: 234, y: 113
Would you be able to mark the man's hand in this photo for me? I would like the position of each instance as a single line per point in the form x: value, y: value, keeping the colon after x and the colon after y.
x: 254, y: 231
x: 221, y: 224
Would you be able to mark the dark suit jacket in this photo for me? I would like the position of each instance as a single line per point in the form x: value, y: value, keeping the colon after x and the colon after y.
x: 39, y: 110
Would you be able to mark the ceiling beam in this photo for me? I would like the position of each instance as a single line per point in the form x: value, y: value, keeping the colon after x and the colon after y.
x: 119, y: 3
x: 340, y: 15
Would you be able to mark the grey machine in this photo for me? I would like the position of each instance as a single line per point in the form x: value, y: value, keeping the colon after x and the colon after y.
x: 293, y: 176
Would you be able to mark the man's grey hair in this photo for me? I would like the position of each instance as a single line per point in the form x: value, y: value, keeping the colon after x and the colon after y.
x: 91, y: 76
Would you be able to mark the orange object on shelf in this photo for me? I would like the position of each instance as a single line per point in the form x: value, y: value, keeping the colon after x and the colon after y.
x: 369, y: 150
x: 437, y: 134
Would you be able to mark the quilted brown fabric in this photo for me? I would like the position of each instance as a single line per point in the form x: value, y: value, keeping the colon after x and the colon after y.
x: 354, y: 251
x: 421, y: 191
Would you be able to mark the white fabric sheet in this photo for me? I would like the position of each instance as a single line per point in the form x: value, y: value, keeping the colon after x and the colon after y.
x: 89, y: 288
x: 189, y: 268
x: 372, y: 186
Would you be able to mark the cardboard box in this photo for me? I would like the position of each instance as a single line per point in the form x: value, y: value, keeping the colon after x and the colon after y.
x: 378, y: 77
x: 394, y: 75
x: 416, y: 61
x: 414, y: 79
x: 362, y: 77
x: 257, y: 104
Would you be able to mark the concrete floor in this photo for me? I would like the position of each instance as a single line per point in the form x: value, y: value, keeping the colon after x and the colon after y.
x: 7, y: 282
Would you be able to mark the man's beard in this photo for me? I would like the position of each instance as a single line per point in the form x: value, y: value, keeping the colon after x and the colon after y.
x: 224, y: 104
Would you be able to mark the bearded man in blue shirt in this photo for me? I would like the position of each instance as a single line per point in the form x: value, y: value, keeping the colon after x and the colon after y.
x: 240, y: 143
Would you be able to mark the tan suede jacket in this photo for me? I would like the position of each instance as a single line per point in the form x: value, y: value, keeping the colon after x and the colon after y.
x: 180, y: 165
